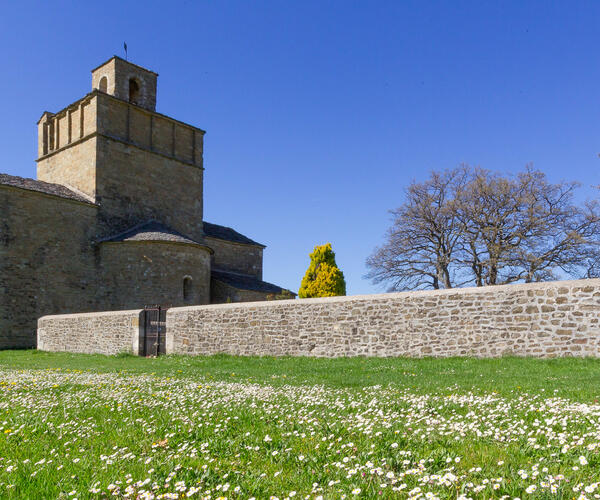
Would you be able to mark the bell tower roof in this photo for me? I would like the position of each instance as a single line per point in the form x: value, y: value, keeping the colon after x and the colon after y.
x: 126, y: 81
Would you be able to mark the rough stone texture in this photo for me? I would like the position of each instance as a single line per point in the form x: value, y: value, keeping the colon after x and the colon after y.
x: 92, y: 333
x: 41, y: 187
x: 50, y: 262
x: 138, y: 273
x: 233, y: 287
x: 238, y: 257
x: 134, y: 185
x: 70, y: 159
x: 227, y: 234
x: 539, y: 320
x: 136, y: 163
x: 151, y: 231
x: 221, y: 293
x: 47, y: 260
x: 118, y: 72
x: 106, y: 166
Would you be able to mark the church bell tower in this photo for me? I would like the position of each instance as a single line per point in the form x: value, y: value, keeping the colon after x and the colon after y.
x: 126, y: 81
x: 114, y: 148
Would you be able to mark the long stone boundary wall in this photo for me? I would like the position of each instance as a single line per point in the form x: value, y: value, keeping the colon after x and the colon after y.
x: 540, y: 320
x: 91, y: 333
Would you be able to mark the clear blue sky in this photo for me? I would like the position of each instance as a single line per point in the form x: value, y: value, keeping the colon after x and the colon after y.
x: 319, y: 113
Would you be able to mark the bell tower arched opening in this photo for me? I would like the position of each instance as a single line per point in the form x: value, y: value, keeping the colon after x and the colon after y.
x: 103, y: 85
x: 134, y: 91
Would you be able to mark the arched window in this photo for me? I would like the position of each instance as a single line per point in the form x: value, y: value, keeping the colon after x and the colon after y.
x: 187, y: 289
x: 103, y: 85
x: 134, y: 91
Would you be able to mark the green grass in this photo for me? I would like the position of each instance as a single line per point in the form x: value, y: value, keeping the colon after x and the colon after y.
x: 574, y: 378
x: 79, y: 426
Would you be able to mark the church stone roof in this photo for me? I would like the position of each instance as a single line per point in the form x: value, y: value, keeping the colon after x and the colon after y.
x: 125, y: 61
x: 245, y: 282
x: 151, y: 231
x: 228, y: 234
x: 42, y: 187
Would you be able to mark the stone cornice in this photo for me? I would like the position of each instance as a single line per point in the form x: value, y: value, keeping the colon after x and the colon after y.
x: 96, y: 92
x: 122, y: 141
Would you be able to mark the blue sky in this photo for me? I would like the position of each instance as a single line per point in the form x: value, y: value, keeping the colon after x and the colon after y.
x: 319, y: 113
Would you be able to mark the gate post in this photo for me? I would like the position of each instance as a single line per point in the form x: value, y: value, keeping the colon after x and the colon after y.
x: 137, y: 334
x: 168, y: 336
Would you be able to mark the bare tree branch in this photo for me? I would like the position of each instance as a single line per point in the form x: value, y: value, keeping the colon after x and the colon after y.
x: 473, y: 226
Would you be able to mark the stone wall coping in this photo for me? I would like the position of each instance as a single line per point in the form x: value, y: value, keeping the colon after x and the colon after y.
x: 90, y: 315
x: 354, y: 298
x: 398, y: 295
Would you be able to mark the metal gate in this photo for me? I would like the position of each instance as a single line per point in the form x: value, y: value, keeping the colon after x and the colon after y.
x: 155, y: 330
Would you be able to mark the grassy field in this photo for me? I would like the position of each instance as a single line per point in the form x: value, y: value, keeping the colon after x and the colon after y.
x: 77, y: 426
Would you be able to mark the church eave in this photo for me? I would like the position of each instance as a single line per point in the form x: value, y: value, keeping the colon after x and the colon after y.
x: 228, y: 234
x: 43, y: 188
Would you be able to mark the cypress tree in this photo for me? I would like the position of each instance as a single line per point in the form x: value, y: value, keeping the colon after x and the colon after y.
x: 323, y: 278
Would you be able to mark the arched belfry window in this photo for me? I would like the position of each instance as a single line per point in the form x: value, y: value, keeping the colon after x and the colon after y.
x: 134, y: 91
x: 188, y: 294
x: 51, y: 134
x: 103, y: 85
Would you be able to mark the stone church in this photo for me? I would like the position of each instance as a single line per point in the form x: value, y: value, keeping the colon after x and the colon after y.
x: 114, y: 219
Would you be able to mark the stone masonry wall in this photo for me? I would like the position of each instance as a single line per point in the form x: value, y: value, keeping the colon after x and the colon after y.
x: 135, y: 163
x: 540, y: 320
x: 237, y: 257
x: 91, y: 333
x: 47, y: 261
x: 133, y: 186
x: 74, y: 167
x: 137, y: 273
x: 221, y: 293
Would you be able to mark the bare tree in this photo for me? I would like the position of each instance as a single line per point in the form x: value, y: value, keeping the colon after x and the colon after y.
x: 473, y: 226
x: 489, y: 214
x: 564, y: 235
x: 420, y: 245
